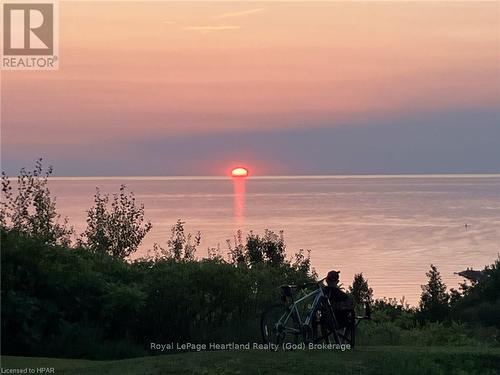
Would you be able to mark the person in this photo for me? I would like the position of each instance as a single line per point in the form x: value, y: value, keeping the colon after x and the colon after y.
x: 335, y: 293
x: 340, y: 300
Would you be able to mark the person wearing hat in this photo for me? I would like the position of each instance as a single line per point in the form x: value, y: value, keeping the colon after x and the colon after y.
x: 340, y: 300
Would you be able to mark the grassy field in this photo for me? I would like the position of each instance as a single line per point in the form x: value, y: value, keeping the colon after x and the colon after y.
x: 365, y: 360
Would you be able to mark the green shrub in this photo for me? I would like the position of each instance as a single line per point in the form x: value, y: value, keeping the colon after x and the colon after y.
x: 58, y: 301
x: 117, y: 230
x: 480, y: 303
x: 32, y: 209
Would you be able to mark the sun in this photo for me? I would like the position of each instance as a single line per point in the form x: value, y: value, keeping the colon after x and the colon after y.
x: 239, y: 172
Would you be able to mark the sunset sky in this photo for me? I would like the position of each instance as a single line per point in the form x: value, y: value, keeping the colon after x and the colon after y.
x: 286, y: 88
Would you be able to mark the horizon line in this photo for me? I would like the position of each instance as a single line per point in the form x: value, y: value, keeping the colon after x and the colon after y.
x: 257, y: 177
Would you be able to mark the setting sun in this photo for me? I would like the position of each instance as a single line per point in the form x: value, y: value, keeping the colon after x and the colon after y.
x: 239, y: 172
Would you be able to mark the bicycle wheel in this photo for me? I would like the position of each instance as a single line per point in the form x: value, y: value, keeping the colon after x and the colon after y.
x: 320, y: 333
x: 327, y: 327
x: 347, y: 335
x: 279, y: 325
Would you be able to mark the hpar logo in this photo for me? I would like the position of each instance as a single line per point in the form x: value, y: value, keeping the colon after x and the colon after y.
x: 30, y: 35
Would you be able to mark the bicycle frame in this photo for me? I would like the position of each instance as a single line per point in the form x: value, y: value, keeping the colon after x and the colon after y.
x: 312, y: 317
x: 294, y: 310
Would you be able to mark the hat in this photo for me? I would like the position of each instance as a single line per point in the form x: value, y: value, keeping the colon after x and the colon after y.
x: 332, y: 278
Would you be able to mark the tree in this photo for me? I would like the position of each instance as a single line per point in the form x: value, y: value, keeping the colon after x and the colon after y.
x: 32, y: 210
x: 180, y: 246
x: 237, y: 251
x: 434, y: 301
x: 480, y: 303
x: 360, y: 290
x: 118, y: 230
x: 268, y: 249
x: 301, y: 263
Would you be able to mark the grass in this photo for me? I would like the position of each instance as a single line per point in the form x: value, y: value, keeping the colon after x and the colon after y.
x: 364, y: 360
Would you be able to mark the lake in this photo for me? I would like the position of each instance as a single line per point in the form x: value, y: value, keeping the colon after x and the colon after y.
x: 391, y: 228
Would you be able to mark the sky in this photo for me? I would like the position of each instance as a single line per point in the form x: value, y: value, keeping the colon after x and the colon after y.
x: 179, y: 88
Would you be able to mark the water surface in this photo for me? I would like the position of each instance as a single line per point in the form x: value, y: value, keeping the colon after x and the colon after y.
x: 391, y: 228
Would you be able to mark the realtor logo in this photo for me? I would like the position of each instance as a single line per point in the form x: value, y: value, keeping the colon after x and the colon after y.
x: 29, y: 29
x: 29, y: 35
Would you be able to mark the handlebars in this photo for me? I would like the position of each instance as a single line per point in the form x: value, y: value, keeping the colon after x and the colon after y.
x: 306, y: 285
x: 287, y: 288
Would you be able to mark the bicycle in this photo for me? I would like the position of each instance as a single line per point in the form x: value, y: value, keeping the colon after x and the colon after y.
x: 283, y: 321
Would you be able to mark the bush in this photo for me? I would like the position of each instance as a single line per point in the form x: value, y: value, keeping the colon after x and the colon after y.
x: 72, y: 302
x: 269, y: 249
x: 32, y: 209
x: 180, y: 246
x: 480, y: 303
x: 394, y: 311
x: 118, y: 230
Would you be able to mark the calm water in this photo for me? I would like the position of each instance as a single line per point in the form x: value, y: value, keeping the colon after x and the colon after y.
x: 389, y: 228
